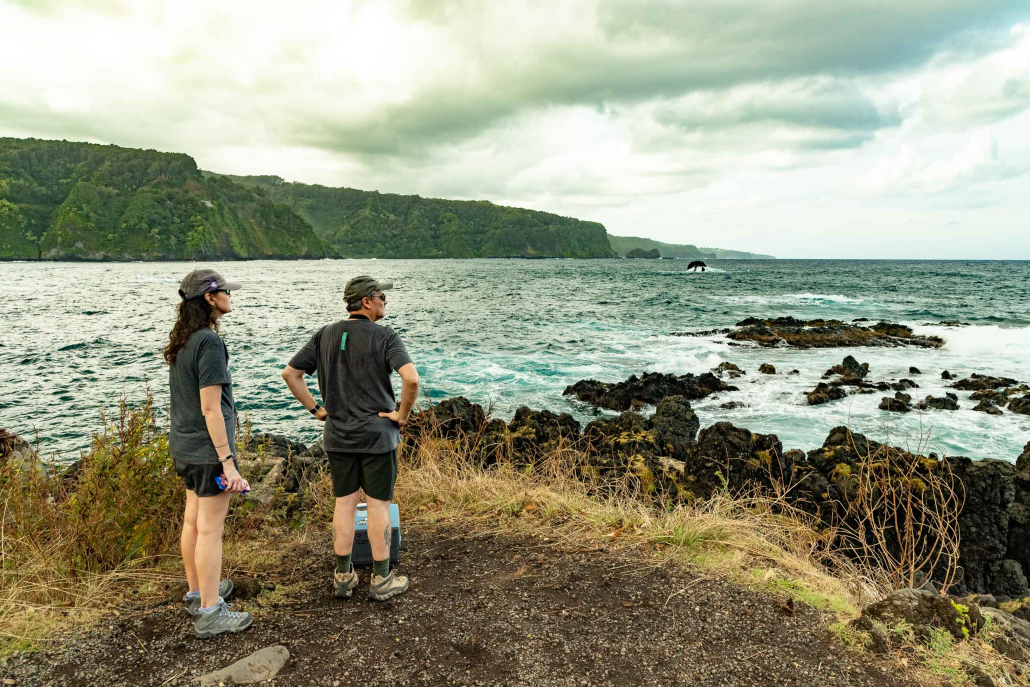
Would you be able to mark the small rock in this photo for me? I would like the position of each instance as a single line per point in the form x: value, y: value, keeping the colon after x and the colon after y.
x: 767, y: 369
x: 936, y: 403
x: 914, y: 371
x: 247, y: 588
x: 263, y: 664
x: 946, y: 375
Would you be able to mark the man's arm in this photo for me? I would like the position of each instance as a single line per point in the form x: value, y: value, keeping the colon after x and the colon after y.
x: 211, y: 407
x: 409, y: 393
x: 295, y: 380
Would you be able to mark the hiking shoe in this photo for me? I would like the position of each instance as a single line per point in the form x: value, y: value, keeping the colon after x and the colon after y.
x: 211, y: 623
x: 345, y: 583
x: 383, y: 588
x: 192, y: 605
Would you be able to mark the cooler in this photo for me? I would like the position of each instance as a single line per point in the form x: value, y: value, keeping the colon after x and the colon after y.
x: 361, y: 554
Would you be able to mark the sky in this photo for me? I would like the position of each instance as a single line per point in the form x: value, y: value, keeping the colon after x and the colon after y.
x: 798, y: 128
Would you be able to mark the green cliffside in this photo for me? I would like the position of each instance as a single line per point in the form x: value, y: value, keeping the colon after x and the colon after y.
x: 81, y: 201
x: 624, y: 244
x: 369, y: 224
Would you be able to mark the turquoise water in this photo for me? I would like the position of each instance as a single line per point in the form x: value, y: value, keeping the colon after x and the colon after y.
x: 514, y: 332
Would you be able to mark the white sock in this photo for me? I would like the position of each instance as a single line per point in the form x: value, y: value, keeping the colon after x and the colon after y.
x: 193, y: 595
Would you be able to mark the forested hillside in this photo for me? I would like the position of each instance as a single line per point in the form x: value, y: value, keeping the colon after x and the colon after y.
x: 62, y: 200
x: 386, y: 225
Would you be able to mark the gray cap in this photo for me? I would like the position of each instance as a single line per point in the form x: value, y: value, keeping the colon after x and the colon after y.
x: 205, y: 280
x: 360, y: 287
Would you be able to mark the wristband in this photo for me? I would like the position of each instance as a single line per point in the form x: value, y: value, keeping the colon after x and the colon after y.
x: 226, y: 459
x: 315, y: 409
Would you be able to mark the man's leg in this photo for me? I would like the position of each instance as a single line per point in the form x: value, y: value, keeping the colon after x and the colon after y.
x: 343, y: 525
x: 211, y: 512
x: 379, y: 530
x: 188, y: 540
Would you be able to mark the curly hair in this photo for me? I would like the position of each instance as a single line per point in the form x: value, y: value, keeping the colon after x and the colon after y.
x: 194, y: 315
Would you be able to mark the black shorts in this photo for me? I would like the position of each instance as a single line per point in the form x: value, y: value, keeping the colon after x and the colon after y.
x: 200, y: 479
x: 375, y: 473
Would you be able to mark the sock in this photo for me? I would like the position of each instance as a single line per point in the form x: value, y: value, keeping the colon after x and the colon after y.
x: 343, y: 564
x: 381, y: 568
x: 211, y: 609
x: 193, y: 595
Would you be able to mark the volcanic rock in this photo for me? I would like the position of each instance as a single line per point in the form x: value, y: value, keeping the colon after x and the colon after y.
x: 938, y: 403
x: 767, y: 369
x: 977, y: 382
x: 648, y: 389
x: 824, y: 393
x: 797, y: 333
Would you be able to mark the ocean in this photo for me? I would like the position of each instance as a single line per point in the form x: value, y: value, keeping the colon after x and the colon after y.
x: 505, y: 333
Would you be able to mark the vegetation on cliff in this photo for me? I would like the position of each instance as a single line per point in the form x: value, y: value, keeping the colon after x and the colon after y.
x: 80, y: 201
x: 623, y: 245
x: 369, y: 224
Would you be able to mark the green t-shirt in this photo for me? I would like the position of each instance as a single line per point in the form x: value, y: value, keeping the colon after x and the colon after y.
x: 202, y: 362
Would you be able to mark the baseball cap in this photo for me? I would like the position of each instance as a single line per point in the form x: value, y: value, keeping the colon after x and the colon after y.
x: 199, y: 282
x: 359, y: 287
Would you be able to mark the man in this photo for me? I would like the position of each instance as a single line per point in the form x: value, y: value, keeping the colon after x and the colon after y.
x: 353, y: 359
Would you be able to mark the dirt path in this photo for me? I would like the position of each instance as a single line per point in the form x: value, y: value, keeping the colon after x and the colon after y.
x: 491, y: 610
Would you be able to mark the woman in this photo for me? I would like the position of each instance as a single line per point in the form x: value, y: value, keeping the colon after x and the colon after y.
x: 202, y: 441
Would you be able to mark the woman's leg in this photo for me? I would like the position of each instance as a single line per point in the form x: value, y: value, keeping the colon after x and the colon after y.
x: 211, y: 512
x: 188, y: 540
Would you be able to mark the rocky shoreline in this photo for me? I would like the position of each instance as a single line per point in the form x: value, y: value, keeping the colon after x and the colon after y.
x: 667, y: 452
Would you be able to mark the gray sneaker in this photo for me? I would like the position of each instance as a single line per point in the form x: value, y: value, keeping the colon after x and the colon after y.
x: 345, y: 583
x: 383, y: 588
x: 211, y: 623
x: 192, y: 605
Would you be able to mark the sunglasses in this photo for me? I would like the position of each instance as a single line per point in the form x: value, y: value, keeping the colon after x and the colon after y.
x: 226, y: 292
x: 381, y: 297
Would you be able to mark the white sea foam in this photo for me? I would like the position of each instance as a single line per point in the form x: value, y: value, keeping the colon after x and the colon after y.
x: 147, y: 279
x: 815, y: 298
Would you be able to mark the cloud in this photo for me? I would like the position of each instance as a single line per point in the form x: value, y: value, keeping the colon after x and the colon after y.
x: 599, y: 107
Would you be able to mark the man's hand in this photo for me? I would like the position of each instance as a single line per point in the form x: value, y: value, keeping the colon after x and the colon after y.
x: 396, y: 417
x: 234, y: 482
x: 321, y: 414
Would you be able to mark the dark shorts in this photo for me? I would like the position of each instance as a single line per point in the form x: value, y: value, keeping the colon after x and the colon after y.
x: 375, y: 473
x: 200, y: 479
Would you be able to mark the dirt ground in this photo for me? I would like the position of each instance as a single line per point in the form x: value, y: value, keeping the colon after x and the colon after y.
x: 482, y: 610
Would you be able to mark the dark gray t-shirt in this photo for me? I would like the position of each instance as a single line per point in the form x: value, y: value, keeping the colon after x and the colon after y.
x: 203, y: 361
x: 353, y: 359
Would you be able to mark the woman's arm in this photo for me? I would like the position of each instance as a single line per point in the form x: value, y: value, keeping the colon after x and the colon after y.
x: 211, y: 407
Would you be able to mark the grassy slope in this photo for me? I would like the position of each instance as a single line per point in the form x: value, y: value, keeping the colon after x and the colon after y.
x: 386, y: 225
x: 62, y: 200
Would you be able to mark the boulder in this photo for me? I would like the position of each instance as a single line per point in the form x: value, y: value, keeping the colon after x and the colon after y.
x: 450, y: 418
x: 978, y: 382
x: 946, y: 375
x: 896, y: 404
x: 794, y: 372
x: 1013, y: 639
x: 730, y: 405
x: 767, y: 369
x: 849, y: 368
x: 273, y: 445
x: 938, y: 403
x: 824, y: 393
x: 728, y: 369
x: 914, y: 371
x: 540, y: 431
x: 998, y: 398
x: 1020, y: 405
x: 730, y: 458
x: 647, y: 389
x: 990, y: 492
x: 924, y: 611
x: 1007, y: 579
x: 674, y: 427
x: 989, y: 407
x: 903, y: 384
x: 260, y: 666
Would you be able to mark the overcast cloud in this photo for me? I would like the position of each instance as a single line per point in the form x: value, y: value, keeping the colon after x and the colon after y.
x: 801, y: 128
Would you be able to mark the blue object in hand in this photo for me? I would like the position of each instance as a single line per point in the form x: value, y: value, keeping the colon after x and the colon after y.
x: 222, y: 485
